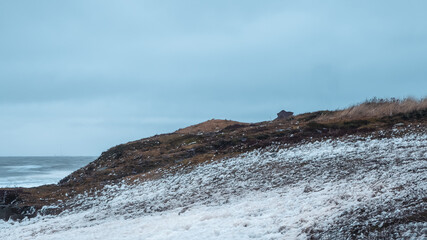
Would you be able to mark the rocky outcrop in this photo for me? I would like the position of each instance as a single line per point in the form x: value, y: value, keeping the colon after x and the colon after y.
x: 10, y: 207
x: 284, y: 114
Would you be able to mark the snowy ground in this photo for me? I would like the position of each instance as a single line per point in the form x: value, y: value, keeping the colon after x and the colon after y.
x: 348, y: 188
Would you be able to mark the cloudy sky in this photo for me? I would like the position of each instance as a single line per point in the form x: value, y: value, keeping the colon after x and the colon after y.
x: 80, y: 76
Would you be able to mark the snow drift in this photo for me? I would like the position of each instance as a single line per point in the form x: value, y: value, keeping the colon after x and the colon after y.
x: 333, y: 189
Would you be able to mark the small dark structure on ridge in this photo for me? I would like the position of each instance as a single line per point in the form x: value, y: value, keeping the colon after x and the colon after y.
x: 284, y: 114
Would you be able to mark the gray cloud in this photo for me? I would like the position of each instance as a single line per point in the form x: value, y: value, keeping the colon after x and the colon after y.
x: 105, y: 72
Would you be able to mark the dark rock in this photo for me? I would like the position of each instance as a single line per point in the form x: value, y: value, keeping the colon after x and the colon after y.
x: 284, y: 114
x: 9, y: 196
x: 6, y: 211
x: 10, y: 208
x: 16, y: 217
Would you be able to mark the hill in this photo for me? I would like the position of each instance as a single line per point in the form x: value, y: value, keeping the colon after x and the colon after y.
x: 376, y: 143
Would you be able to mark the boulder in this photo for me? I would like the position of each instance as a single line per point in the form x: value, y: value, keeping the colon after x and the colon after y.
x: 284, y: 114
x: 10, y: 208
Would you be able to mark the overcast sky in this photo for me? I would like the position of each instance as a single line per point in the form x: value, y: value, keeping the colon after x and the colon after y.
x: 78, y: 77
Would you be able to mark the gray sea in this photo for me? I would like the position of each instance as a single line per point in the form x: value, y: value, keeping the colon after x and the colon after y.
x: 36, y: 171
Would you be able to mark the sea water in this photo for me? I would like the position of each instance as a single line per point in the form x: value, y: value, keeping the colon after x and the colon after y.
x: 36, y: 171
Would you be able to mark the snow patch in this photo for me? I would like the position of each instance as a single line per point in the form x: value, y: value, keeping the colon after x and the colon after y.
x: 349, y: 188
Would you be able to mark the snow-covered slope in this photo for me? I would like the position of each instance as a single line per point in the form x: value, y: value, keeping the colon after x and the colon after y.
x: 334, y: 189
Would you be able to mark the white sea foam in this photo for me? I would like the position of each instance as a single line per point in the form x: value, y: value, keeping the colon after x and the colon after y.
x: 329, y: 189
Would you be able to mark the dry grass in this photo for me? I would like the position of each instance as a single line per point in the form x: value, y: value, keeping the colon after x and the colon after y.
x: 376, y: 108
x: 208, y: 126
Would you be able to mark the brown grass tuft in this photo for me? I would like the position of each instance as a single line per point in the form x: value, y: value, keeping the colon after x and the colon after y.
x: 376, y: 108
